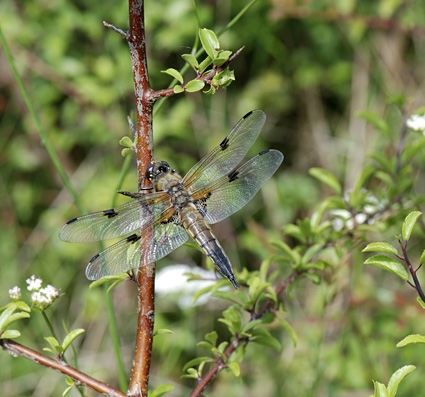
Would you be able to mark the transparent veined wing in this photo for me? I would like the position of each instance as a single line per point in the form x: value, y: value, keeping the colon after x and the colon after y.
x: 163, y: 235
x: 220, y: 199
x: 228, y: 154
x: 116, y: 222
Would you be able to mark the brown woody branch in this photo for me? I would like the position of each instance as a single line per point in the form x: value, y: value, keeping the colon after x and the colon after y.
x: 15, y: 348
x: 220, y: 363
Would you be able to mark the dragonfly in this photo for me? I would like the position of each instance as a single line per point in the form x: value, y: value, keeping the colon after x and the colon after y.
x: 178, y: 208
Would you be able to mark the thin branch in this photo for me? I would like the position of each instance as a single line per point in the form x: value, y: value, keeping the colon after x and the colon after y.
x: 122, y: 33
x: 417, y: 285
x: 17, y: 349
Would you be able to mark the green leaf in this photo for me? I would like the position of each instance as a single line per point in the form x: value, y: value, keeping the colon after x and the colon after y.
x: 326, y: 178
x: 212, y: 337
x: 191, y: 61
x: 263, y: 337
x: 67, y: 390
x: 411, y: 339
x: 380, y: 390
x: 286, y: 249
x: 194, y: 85
x: 127, y: 151
x: 222, y: 57
x: 71, y: 337
x: 10, y: 334
x: 174, y: 73
x: 224, y: 78
x: 311, y: 252
x: 164, y: 331
x: 389, y: 264
x: 126, y: 141
x: 108, y: 279
x: 178, y: 89
x: 250, y: 325
x: 228, y: 295
x: 375, y: 120
x: 161, y: 390
x: 421, y: 302
x: 210, y: 91
x: 381, y: 247
x: 397, y: 377
x: 196, y: 361
x: 192, y: 373
x: 209, y: 42
x: 291, y: 332
x: 5, y: 315
x: 384, y: 161
x: 234, y: 367
x: 408, y: 224
x: 204, y: 64
x: 422, y: 258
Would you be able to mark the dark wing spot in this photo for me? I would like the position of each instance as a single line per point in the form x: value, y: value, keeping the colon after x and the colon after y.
x: 233, y: 175
x: 94, y: 258
x: 247, y: 115
x: 264, y: 152
x: 133, y: 238
x: 225, y: 143
x: 72, y: 220
x: 110, y: 213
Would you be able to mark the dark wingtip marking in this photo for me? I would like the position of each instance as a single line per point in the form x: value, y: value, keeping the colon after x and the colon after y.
x: 225, y: 143
x: 133, y: 238
x: 264, y: 152
x: 110, y: 213
x: 233, y: 176
x: 93, y: 259
x: 247, y: 115
x: 70, y: 221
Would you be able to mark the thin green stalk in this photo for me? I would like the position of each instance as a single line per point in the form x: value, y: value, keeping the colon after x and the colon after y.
x: 43, y: 135
x: 49, y: 324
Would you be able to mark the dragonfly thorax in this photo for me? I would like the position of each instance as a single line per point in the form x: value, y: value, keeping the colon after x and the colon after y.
x: 179, y: 196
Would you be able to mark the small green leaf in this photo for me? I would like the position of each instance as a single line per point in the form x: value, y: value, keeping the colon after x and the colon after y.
x: 194, y: 85
x: 191, y: 373
x: 127, y: 151
x: 422, y: 258
x: 234, y: 367
x: 126, y: 141
x: 408, y: 224
x: 311, y: 253
x: 209, y: 42
x: 263, y: 337
x: 67, y: 390
x: 389, y: 264
x: 71, y: 337
x: 411, y: 339
x: 178, y: 89
x: 161, y: 390
x: 163, y: 331
x: 204, y: 64
x: 191, y: 61
x: 5, y: 315
x: 224, y: 78
x: 286, y: 249
x: 397, y: 377
x: 222, y: 57
x: 228, y: 295
x: 375, y: 120
x: 380, y: 390
x: 108, y: 279
x: 212, y: 337
x: 421, y: 302
x: 196, y: 361
x: 10, y: 334
x: 210, y: 91
x: 291, y: 332
x: 326, y: 178
x: 174, y: 73
x: 381, y: 247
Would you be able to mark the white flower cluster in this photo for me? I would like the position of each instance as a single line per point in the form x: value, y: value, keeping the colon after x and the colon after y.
x: 416, y: 122
x: 15, y: 293
x: 40, y: 297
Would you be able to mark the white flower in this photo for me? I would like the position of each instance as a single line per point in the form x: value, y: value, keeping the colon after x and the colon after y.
x: 50, y: 292
x: 34, y: 284
x: 416, y: 122
x: 15, y: 293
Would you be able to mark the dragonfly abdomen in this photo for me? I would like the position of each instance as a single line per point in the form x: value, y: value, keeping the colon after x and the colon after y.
x: 202, y: 234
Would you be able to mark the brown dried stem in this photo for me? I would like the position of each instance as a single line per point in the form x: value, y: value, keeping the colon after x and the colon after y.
x: 15, y: 348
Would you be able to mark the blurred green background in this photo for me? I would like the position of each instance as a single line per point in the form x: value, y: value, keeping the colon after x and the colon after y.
x: 311, y: 66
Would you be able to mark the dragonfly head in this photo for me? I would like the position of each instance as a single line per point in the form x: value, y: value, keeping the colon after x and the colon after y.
x: 156, y: 170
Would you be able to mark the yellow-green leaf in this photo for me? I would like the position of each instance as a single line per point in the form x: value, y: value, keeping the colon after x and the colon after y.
x: 408, y: 224
x: 389, y: 264
x: 380, y: 247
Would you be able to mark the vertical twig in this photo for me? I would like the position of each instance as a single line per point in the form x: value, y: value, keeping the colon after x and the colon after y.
x: 146, y: 276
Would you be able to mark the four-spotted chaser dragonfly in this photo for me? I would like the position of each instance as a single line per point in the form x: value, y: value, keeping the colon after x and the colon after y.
x: 215, y: 188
